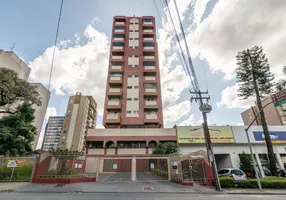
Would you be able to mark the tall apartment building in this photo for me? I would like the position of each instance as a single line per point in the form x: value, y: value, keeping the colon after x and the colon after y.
x: 80, y: 115
x: 10, y: 60
x: 53, y: 133
x: 133, y: 90
x: 275, y: 116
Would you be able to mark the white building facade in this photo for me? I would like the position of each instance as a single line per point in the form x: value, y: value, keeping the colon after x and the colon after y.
x: 53, y: 133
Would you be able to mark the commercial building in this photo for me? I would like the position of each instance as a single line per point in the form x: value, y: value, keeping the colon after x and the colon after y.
x: 53, y: 133
x: 275, y: 116
x: 80, y: 116
x: 231, y: 141
x: 133, y: 90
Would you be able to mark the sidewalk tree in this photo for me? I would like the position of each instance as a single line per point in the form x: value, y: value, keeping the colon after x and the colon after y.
x: 14, y: 90
x: 17, y: 131
x: 245, y: 163
x: 165, y: 148
x: 255, y: 80
x: 281, y: 85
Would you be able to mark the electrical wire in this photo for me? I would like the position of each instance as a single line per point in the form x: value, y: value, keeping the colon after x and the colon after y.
x: 157, y: 9
x: 55, y: 45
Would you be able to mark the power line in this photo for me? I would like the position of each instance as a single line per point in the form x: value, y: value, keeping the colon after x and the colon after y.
x: 157, y: 9
x: 55, y: 45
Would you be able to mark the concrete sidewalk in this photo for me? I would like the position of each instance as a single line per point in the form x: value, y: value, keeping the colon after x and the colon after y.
x: 254, y: 191
x: 115, y: 187
x: 11, y: 186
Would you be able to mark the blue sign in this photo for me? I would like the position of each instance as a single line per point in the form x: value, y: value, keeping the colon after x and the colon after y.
x: 276, y: 136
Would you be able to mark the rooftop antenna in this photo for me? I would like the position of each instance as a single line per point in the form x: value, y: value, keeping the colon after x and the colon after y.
x: 11, y: 49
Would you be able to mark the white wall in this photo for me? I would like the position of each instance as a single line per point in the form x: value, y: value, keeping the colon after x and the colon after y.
x: 72, y: 124
x: 10, y: 60
x: 132, y: 105
x: 40, y: 111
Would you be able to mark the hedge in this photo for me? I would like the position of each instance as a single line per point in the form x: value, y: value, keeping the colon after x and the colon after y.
x: 267, y: 182
x: 159, y: 172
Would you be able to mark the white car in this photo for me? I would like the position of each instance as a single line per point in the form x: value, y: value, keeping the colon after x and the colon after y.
x: 237, y: 174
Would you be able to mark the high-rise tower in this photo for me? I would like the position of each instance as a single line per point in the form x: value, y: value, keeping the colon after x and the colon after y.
x: 133, y: 90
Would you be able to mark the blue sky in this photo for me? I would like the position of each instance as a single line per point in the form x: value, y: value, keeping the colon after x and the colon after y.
x: 216, y: 31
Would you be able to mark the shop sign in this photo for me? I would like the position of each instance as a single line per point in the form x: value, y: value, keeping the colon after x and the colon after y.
x: 276, y: 136
x: 15, y: 163
x: 195, y: 134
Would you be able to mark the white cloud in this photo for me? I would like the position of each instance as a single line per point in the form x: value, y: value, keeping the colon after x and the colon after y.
x: 51, y: 111
x: 176, y: 112
x: 95, y: 20
x: 78, y: 68
x: 236, y: 25
x: 229, y: 99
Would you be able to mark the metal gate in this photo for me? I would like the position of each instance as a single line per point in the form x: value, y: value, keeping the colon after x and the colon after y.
x: 16, y: 168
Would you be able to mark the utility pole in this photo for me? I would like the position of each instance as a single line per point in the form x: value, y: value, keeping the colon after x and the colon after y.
x: 206, y: 108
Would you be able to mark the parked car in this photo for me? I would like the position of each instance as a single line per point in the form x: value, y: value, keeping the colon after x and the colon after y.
x: 237, y: 174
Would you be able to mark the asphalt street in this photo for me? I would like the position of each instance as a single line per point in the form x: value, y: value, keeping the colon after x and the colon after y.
x: 130, y: 196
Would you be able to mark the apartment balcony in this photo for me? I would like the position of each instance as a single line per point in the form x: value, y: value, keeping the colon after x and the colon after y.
x: 118, y: 48
x: 151, y: 105
x: 148, y: 31
x: 114, y: 105
x: 149, y: 57
x: 150, y: 92
x: 117, y: 58
x: 119, y: 30
x: 148, y: 48
x: 112, y: 119
x: 115, y: 79
x: 116, y: 39
x: 120, y: 23
x: 114, y: 92
x: 148, y: 39
x: 151, y: 118
x: 149, y: 69
x: 116, y: 68
x: 150, y: 79
x: 148, y: 23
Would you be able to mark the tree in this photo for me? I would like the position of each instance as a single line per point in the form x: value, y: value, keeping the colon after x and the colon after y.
x: 14, y: 90
x: 165, y: 148
x: 254, y: 79
x: 64, y: 155
x: 17, y: 131
x: 281, y: 85
x: 245, y: 163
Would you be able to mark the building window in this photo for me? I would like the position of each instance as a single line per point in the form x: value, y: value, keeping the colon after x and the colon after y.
x: 129, y: 76
x: 149, y: 63
x: 135, y: 87
x: 136, y: 65
x: 128, y: 112
x: 117, y: 44
x: 147, y: 20
x: 118, y: 36
x: 129, y: 99
x: 129, y: 87
x: 132, y: 144
x: 136, y: 76
x: 135, y: 99
x: 148, y: 44
x: 119, y: 27
x: 135, y: 111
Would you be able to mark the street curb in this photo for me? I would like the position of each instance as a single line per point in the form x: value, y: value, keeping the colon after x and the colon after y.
x: 250, y: 193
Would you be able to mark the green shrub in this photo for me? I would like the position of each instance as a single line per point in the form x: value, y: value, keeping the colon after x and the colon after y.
x: 226, y: 182
x: 20, y: 173
x: 267, y: 182
x: 159, y: 172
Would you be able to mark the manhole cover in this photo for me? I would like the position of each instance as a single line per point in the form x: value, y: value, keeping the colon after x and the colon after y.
x: 59, y: 185
x: 147, y: 188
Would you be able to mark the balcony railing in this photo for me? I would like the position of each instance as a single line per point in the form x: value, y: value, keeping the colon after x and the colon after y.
x: 112, y: 116
x: 149, y: 57
x: 119, y: 23
x: 148, y: 47
x: 151, y: 116
x: 147, y: 23
x: 150, y: 90
x: 149, y: 67
x: 113, y: 103
x: 150, y: 78
x: 117, y: 47
x: 116, y: 67
x: 151, y: 103
x: 148, y: 30
x: 115, y: 78
x: 114, y: 90
x: 118, y: 39
x: 117, y: 57
x: 148, y: 38
x: 119, y: 30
